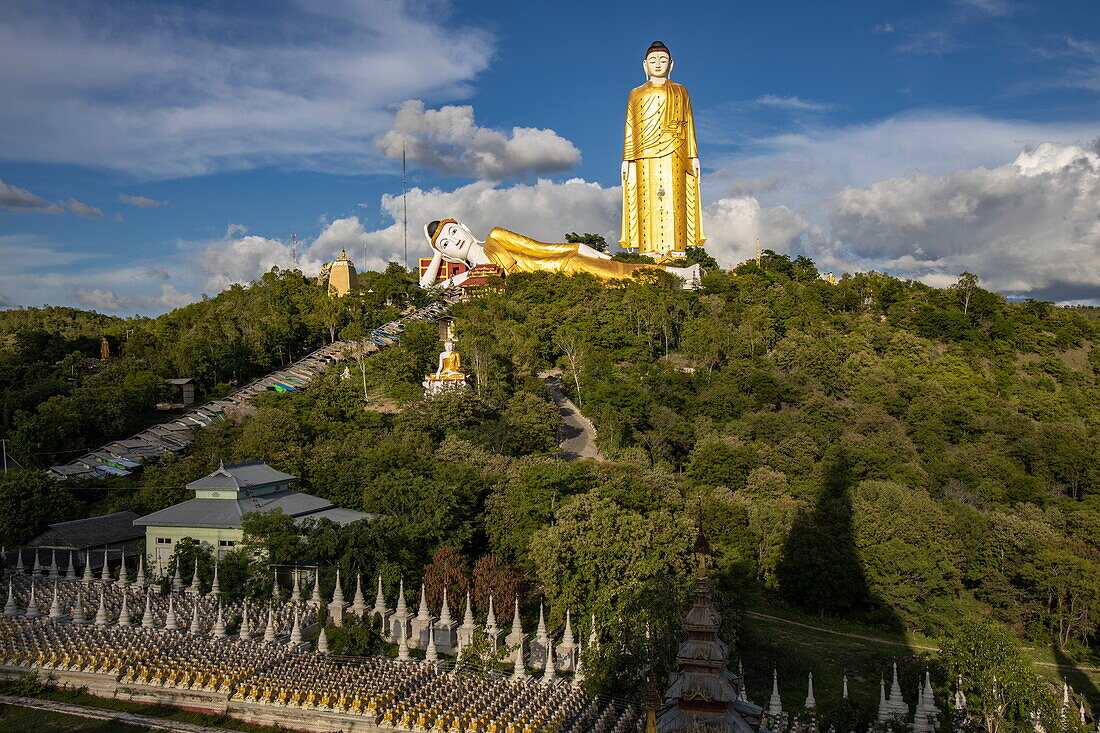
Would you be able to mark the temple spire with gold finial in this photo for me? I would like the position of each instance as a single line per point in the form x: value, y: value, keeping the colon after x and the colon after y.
x: 704, y: 694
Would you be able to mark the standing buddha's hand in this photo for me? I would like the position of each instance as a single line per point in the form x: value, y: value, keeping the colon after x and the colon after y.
x: 695, y: 167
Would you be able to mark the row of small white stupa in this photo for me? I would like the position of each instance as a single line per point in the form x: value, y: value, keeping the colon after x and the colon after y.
x: 420, y: 630
x: 442, y: 634
x: 156, y: 616
x: 54, y: 571
x: 891, y: 707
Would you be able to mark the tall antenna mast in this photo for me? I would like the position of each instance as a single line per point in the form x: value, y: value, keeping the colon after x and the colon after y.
x: 405, y: 202
x: 758, y: 251
x: 294, y: 249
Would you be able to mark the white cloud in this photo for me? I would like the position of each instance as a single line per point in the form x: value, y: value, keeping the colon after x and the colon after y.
x: 28, y: 253
x: 22, y: 201
x: 82, y: 209
x: 988, y: 7
x: 111, y: 302
x: 142, y: 201
x: 174, y: 89
x: 448, y: 140
x: 732, y: 226
x: 1031, y: 227
x: 544, y: 210
x: 547, y: 211
x: 240, y: 260
x: 793, y: 103
x: 822, y: 160
x: 38, y: 271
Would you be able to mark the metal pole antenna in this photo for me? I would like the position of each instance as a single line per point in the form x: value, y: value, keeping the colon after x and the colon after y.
x: 4, y: 442
x: 405, y: 202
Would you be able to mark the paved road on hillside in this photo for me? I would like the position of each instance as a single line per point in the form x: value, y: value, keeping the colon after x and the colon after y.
x: 578, y: 432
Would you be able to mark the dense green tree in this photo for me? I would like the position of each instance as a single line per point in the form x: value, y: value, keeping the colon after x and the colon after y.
x: 29, y: 501
x: 595, y: 241
x: 1002, y: 692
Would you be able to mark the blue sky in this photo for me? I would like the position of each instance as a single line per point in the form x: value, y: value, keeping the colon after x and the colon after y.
x: 151, y: 152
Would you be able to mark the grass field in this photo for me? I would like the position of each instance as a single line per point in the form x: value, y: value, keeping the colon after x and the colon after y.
x: 15, y: 718
x: 795, y: 644
x: 162, y: 712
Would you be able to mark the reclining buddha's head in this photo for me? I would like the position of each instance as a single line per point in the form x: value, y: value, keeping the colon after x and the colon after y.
x: 450, y: 239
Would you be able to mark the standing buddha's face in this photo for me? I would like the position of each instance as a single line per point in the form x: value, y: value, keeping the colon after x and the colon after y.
x: 454, y: 242
x: 658, y: 65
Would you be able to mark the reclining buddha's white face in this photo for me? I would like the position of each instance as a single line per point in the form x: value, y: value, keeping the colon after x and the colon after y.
x: 454, y: 242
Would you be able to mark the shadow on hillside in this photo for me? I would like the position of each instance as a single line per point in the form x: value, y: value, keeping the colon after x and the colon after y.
x: 820, y: 572
x: 1082, y: 684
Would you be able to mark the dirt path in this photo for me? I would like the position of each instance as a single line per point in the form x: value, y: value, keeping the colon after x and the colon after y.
x: 84, y: 711
x: 578, y: 432
x: 876, y: 640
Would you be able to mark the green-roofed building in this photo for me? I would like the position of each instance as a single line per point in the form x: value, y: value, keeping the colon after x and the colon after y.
x: 222, y: 498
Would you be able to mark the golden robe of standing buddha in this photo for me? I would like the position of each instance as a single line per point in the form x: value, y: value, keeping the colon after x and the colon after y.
x: 661, y: 209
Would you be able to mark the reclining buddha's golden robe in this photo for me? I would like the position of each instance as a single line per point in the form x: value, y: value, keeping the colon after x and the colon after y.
x: 517, y: 253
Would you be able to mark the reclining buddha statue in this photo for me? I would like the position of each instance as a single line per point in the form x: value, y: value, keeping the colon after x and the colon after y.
x: 453, y: 241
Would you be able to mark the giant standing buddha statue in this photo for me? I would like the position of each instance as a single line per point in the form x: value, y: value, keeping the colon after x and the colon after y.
x: 660, y: 171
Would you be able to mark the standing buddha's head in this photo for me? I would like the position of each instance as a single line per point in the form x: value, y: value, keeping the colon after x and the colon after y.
x: 658, y: 61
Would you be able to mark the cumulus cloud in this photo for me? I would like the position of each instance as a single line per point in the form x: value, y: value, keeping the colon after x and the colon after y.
x: 820, y: 161
x: 547, y: 211
x: 240, y: 260
x: 448, y: 140
x: 1031, y: 227
x: 82, y: 209
x: 544, y: 210
x: 733, y: 225
x: 111, y: 302
x: 176, y: 89
x: 22, y: 201
x: 142, y: 201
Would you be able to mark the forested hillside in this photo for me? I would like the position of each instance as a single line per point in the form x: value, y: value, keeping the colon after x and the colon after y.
x: 877, y: 451
x: 58, y: 399
x: 948, y: 436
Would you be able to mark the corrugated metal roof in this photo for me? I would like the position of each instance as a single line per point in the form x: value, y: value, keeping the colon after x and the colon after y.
x: 69, y: 469
x: 256, y: 474
x: 227, y: 513
x: 106, y: 529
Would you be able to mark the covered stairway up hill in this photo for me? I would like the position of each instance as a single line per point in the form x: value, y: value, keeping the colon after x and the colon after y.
x: 123, y: 457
